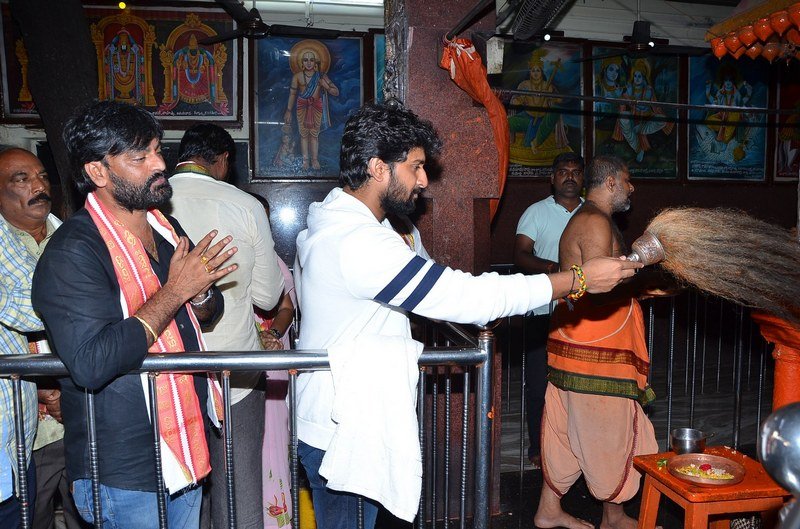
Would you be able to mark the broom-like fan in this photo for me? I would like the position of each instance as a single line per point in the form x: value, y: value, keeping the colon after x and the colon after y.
x: 727, y: 253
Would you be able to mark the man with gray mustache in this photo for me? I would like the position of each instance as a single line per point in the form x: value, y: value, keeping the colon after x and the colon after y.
x: 25, y: 205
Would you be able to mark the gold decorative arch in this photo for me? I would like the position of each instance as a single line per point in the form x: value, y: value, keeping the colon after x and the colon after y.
x: 219, y: 52
x: 125, y: 20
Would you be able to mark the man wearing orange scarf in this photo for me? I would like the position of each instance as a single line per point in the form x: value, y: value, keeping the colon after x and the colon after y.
x: 593, y: 423
x: 116, y: 281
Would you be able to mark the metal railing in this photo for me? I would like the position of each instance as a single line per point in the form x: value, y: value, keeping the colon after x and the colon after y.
x: 474, y: 361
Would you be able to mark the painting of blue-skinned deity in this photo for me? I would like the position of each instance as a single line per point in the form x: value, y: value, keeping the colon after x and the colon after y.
x: 380, y: 64
x: 636, y: 127
x: 305, y: 91
x: 726, y: 142
x: 539, y: 133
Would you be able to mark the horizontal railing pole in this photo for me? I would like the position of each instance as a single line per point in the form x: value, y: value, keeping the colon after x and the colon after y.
x: 301, y: 360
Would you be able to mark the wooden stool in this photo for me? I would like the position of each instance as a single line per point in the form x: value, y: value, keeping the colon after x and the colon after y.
x: 755, y: 493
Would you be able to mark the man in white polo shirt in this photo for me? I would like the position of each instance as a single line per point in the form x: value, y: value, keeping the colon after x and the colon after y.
x: 536, y: 252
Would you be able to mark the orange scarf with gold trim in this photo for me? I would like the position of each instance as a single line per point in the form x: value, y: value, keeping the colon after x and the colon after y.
x: 185, y: 458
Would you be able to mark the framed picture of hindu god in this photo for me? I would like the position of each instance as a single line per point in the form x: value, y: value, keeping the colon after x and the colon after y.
x: 18, y: 104
x: 305, y: 91
x: 151, y: 57
x: 642, y: 132
x: 787, y: 142
x: 379, y: 47
x: 542, y: 124
x: 727, y: 143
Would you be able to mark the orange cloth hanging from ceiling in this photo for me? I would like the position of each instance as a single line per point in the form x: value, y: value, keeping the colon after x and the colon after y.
x: 466, y: 69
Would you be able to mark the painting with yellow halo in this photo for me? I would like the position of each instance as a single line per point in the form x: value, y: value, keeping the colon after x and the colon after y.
x: 542, y: 124
x: 306, y: 89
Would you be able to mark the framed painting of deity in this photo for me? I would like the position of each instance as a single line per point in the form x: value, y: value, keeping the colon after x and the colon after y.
x: 18, y: 106
x: 726, y: 141
x: 148, y: 56
x: 542, y: 124
x: 629, y: 122
x: 379, y: 47
x: 787, y: 142
x: 305, y: 91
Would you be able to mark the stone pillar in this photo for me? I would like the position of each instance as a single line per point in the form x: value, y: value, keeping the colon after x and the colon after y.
x: 455, y: 227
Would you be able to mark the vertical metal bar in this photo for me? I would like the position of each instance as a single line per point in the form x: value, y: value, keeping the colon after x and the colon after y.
x: 465, y: 421
x: 749, y: 350
x: 94, y: 464
x: 160, y: 489
x: 447, y: 430
x: 22, y: 458
x: 719, y: 343
x: 227, y: 439
x: 688, y: 336
x: 670, y: 367
x: 434, y: 443
x: 523, y: 408
x: 293, y: 461
x: 694, y: 360
x: 483, y: 428
x: 737, y: 395
x: 704, y: 334
x: 421, y: 419
x: 762, y: 366
x: 650, y: 337
x: 507, y: 402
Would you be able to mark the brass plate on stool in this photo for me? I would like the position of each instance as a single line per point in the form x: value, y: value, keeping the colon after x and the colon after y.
x: 723, y: 463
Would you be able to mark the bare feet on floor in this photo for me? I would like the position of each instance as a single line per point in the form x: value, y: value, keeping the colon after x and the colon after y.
x: 550, y: 514
x: 562, y: 519
x: 614, y: 517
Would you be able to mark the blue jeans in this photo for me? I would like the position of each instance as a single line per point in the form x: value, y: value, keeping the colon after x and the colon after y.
x: 333, y: 509
x: 9, y: 509
x: 136, y: 509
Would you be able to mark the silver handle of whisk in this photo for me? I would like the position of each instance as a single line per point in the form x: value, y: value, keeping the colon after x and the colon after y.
x: 647, y: 249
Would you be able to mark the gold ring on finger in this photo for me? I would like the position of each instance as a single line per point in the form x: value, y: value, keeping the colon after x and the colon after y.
x: 208, y: 270
x: 204, y: 260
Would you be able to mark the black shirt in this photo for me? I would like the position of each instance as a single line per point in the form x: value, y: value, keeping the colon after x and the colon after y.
x: 75, y: 290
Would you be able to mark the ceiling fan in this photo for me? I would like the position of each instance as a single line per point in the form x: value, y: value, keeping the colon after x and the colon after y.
x: 641, y: 42
x: 250, y: 26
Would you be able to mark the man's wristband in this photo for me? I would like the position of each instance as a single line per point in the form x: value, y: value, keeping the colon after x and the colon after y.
x: 274, y: 332
x: 203, y: 301
x: 575, y: 295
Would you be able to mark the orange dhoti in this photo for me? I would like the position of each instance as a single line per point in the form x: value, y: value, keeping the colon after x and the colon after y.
x: 593, y: 422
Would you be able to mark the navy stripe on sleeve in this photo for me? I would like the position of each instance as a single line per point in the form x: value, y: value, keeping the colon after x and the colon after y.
x: 425, y: 286
x: 401, y: 280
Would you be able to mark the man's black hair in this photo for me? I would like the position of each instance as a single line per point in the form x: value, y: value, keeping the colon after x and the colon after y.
x: 568, y: 157
x: 206, y: 141
x: 386, y: 131
x: 600, y: 168
x: 106, y: 128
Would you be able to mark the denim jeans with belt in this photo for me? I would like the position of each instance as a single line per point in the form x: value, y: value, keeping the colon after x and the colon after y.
x: 333, y: 509
x: 136, y: 509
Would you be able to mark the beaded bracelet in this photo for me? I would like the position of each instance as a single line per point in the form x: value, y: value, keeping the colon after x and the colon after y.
x: 575, y: 295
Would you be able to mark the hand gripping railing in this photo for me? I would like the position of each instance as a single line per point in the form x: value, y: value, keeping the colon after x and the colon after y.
x: 18, y: 366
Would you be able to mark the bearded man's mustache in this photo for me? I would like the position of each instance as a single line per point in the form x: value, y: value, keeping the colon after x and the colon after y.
x: 41, y: 197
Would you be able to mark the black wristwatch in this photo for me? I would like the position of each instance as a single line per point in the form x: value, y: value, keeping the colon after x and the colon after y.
x: 274, y: 332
